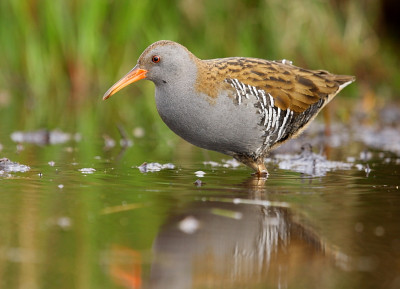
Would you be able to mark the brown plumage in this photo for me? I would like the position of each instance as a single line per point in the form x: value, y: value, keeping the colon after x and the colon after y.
x: 242, y: 107
x: 291, y: 87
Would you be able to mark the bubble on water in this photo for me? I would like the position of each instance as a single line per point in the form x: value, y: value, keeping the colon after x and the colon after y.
x: 87, y: 170
x: 138, y: 132
x: 359, y: 227
x: 64, y: 222
x: 189, y: 225
x: 200, y: 174
x: 154, y: 167
x: 379, y: 231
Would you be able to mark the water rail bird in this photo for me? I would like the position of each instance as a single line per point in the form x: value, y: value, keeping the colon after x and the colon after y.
x: 239, y: 106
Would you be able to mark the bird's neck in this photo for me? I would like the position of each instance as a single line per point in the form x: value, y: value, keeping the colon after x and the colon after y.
x: 210, y: 78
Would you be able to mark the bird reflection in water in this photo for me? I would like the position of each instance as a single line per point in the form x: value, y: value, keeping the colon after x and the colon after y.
x: 233, y: 243
x: 125, y: 266
x: 226, y: 245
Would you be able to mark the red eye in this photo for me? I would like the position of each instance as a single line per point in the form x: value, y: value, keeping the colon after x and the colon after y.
x: 156, y: 58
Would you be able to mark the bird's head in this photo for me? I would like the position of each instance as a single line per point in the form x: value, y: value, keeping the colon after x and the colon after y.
x: 163, y: 62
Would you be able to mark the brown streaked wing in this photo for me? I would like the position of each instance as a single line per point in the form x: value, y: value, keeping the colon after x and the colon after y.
x: 290, y: 86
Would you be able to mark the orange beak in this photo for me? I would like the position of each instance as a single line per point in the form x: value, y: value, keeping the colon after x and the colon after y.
x: 134, y: 75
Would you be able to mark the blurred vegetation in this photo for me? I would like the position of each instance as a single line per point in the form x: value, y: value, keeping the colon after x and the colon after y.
x: 59, y: 57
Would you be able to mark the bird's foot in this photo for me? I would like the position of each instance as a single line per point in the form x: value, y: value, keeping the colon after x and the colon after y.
x: 262, y: 171
x: 261, y: 174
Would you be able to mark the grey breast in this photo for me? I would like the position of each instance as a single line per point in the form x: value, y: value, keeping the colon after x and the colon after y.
x: 221, y: 125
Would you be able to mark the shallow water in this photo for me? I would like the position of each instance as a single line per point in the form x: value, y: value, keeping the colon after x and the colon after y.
x: 84, y: 216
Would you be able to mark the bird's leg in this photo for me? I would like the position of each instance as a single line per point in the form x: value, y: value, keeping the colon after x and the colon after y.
x: 262, y: 170
x: 256, y: 164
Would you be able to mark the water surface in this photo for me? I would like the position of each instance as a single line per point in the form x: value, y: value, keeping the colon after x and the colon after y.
x: 84, y: 216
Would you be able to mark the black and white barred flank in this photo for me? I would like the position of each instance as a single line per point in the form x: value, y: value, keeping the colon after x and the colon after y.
x: 279, y: 124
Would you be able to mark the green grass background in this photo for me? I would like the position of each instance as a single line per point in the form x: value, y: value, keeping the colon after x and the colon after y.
x: 59, y: 57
